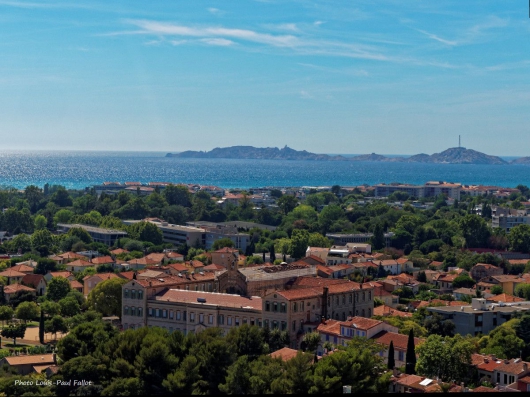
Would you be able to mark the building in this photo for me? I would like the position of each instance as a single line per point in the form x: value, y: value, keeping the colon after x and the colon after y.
x: 35, y: 281
x: 90, y: 282
x: 429, y: 189
x: 345, y: 238
x: 25, y: 365
x: 508, y: 222
x: 98, y: 234
x: 481, y: 270
x: 400, y: 343
x: 190, y: 311
x: 177, y: 234
x: 479, y: 317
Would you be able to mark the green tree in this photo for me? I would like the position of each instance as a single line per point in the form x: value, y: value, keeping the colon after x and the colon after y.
x: 298, y: 372
x: 45, y: 265
x: 287, y: 203
x: 237, y: 379
x: 6, y: 314
x: 14, y: 332
x: 145, y: 231
x: 42, y: 241
x: 410, y: 356
x: 63, y: 216
x: 40, y: 222
x: 177, y: 195
x: 69, y: 306
x: 519, y: 238
x: 299, y: 243
x: 221, y: 243
x: 378, y: 239
x: 33, y: 195
x: 81, y: 234
x: 56, y: 324
x: 391, y: 359
x: 41, y: 327
x: 463, y: 281
x: 61, y: 197
x: 318, y: 240
x: 58, y: 288
x: 496, y: 289
x: 311, y: 341
x: 27, y: 311
x: 523, y: 291
x: 106, y: 297
x: 475, y: 231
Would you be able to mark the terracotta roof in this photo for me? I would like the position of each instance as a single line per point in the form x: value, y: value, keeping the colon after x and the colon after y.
x: 384, y: 310
x: 211, y: 298
x: 212, y: 267
x: 101, y: 260
x: 361, y: 323
x: 12, y: 273
x: 284, y: 353
x: 300, y: 293
x: 324, y: 269
x: 196, y: 264
x: 80, y: 263
x: 151, y: 274
x: 329, y: 327
x: 128, y: 275
x: 445, y: 277
x: 484, y: 389
x: 505, y: 277
x: 64, y: 274
x: 106, y: 276
x: 518, y: 261
x: 490, y: 365
x: 142, y: 261
x: 172, y: 254
x: 75, y: 284
x: 119, y: 251
x: 486, y: 266
x: 525, y: 379
x: 402, y: 261
x: 38, y: 359
x: 12, y: 288
x: 71, y: 255
x: 505, y: 298
x: 180, y: 267
x: 32, y: 279
x: 227, y: 250
x: 436, y: 264
x: 315, y: 258
x: 400, y: 341
x: 317, y: 282
x: 512, y: 367
x: 39, y: 368
x: 22, y: 268
x: 175, y: 280
x: 155, y: 256
x: 409, y: 380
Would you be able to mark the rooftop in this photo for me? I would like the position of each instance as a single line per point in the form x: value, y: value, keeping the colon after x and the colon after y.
x: 210, y: 298
x: 277, y: 271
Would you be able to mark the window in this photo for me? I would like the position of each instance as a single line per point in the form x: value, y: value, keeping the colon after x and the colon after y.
x: 237, y: 321
x: 401, y: 356
x: 275, y: 324
x: 245, y: 320
x: 178, y: 315
x: 505, y: 379
x: 184, y: 315
x: 133, y: 294
x: 295, y: 307
x: 327, y: 338
x: 126, y: 310
x: 157, y: 312
x: 364, y: 296
x: 284, y: 326
x: 201, y: 318
x: 343, y: 299
x: 150, y: 312
x: 369, y: 295
x: 164, y: 313
x: 192, y: 317
x: 140, y: 311
x: 301, y: 306
x: 171, y: 314
x: 221, y: 319
x: 351, y: 298
x: 140, y: 294
x: 275, y: 307
x: 133, y: 311
x: 229, y: 320
x: 260, y: 324
x: 125, y: 293
x: 266, y: 323
x: 267, y: 306
x: 283, y: 308
x: 294, y: 325
x: 210, y: 319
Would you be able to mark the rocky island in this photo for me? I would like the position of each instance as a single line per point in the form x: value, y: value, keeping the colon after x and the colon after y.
x: 457, y: 155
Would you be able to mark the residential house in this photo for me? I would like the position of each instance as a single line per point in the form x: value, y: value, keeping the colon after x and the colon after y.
x: 391, y: 266
x: 445, y: 281
x: 340, y: 333
x: 335, y: 271
x: 12, y: 289
x: 481, y: 270
x: 103, y: 260
x: 505, y: 298
x: 68, y: 275
x: 79, y: 265
x: 90, y: 282
x: 508, y: 282
x: 36, y: 281
x: 76, y: 286
x: 400, y: 343
x: 407, y: 281
x: 25, y: 365
x: 19, y: 267
x: 510, y: 371
x: 12, y: 276
x: 385, y: 311
x: 285, y: 353
x: 319, y: 252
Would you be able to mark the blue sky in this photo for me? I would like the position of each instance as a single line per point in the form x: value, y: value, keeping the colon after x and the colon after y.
x: 390, y: 77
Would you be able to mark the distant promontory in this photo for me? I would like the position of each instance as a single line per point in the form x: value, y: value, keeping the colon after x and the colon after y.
x: 456, y: 155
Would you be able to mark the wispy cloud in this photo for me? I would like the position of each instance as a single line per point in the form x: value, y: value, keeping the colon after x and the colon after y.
x: 318, y: 23
x: 437, y: 38
x: 306, y: 95
x: 218, y: 41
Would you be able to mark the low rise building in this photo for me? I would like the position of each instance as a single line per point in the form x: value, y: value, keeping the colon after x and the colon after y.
x: 481, y: 270
x: 98, y: 234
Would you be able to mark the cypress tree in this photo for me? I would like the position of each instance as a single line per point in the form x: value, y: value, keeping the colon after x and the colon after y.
x: 41, y: 327
x: 391, y: 360
x: 410, y: 367
x: 272, y: 254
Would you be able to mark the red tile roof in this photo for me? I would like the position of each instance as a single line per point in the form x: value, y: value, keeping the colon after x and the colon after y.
x: 300, y: 293
x: 158, y: 257
x: 284, y: 353
x: 80, y: 263
x: 38, y: 359
x: 384, y: 310
x: 12, y: 273
x: 505, y: 298
x: 22, y: 268
x: 400, y: 341
x: 211, y: 298
x: 76, y: 284
x: 71, y: 255
x: 32, y: 279
x: 119, y: 251
x: 101, y: 260
x: 128, y: 275
x: 12, y: 288
x: 64, y: 274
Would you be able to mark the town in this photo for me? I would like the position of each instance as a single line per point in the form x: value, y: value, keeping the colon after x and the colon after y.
x: 133, y: 289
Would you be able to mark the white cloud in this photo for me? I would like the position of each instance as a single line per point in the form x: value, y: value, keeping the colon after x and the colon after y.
x: 306, y: 95
x: 437, y: 38
x: 217, y: 41
x: 288, y: 26
x: 318, y: 23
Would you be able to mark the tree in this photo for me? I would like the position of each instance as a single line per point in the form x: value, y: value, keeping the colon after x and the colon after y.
x: 519, y: 238
x: 523, y: 291
x: 61, y: 197
x: 475, y: 231
x: 299, y: 243
x: 287, y: 203
x: 237, y: 379
x: 56, y: 324
x: 69, y: 306
x: 58, y: 288
x: 496, y: 290
x: 41, y: 327
x: 6, y: 314
x: 221, y: 243
x: 311, y: 341
x: 34, y: 195
x: 463, y: 281
x: 106, y: 297
x: 63, y: 216
x: 42, y: 241
x: 14, y: 332
x: 45, y: 265
x: 410, y: 356
x: 177, y: 195
x: 27, y: 311
x: 391, y: 359
x: 378, y: 239
x: 146, y: 231
x: 40, y: 222
x: 81, y: 234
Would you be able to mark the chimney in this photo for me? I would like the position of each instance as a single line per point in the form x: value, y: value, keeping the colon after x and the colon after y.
x: 325, y: 303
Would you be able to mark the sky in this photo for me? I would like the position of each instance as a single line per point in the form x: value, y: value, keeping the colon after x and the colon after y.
x: 362, y: 76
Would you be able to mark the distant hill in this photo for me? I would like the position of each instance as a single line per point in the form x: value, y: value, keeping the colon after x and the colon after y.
x: 457, y: 155
x: 521, y: 160
x: 251, y: 152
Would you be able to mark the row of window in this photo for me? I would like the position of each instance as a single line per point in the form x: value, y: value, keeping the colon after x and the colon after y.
x: 350, y: 298
x: 133, y: 311
x: 133, y: 294
x: 201, y: 318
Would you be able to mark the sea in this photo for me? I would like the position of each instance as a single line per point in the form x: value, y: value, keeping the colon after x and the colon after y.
x: 82, y: 169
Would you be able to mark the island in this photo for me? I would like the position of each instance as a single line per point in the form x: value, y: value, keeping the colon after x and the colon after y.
x: 456, y: 155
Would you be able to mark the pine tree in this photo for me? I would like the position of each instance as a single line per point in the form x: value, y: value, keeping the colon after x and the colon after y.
x: 410, y: 367
x: 391, y: 360
x: 41, y: 327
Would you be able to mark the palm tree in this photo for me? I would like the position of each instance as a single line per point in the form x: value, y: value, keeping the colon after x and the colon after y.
x: 312, y: 341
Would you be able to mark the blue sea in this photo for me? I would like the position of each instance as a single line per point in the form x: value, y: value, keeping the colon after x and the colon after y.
x: 80, y: 169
